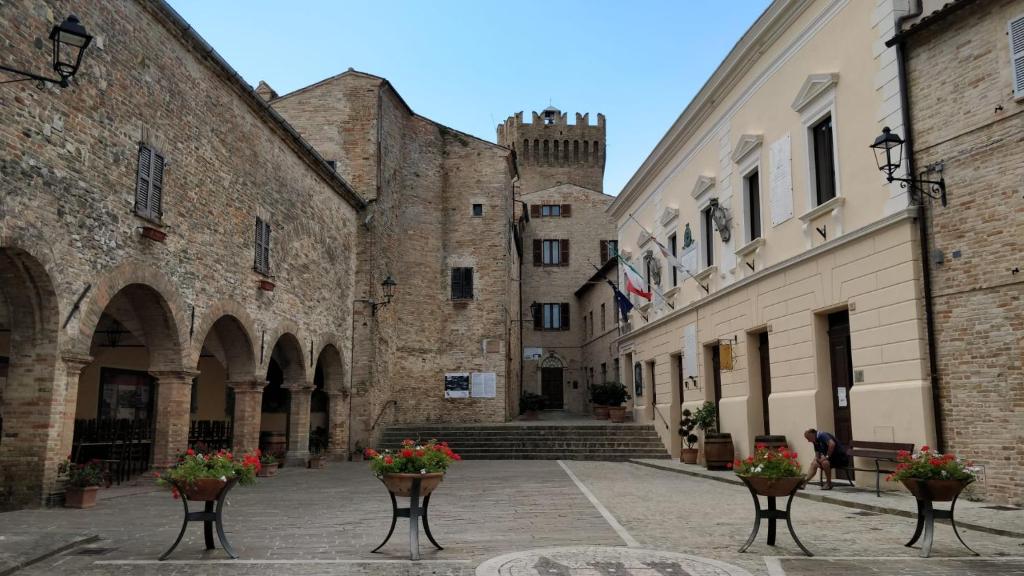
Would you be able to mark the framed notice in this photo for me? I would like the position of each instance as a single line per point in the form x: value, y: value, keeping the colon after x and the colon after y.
x: 456, y: 385
x: 483, y: 385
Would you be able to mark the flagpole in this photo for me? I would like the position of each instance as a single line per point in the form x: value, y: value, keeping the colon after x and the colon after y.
x: 676, y: 265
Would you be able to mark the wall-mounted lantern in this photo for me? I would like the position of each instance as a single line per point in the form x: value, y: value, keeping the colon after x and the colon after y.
x: 387, y: 291
x: 888, y: 149
x: 721, y: 217
x: 69, y: 43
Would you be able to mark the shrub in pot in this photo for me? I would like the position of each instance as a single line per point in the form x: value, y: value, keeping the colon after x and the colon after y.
x: 718, y: 449
x: 83, y: 482
x: 268, y: 465
x: 933, y: 476
x: 688, y: 454
x: 615, y: 396
x: 530, y: 404
x: 599, y: 399
x: 398, y: 469
x: 202, y: 477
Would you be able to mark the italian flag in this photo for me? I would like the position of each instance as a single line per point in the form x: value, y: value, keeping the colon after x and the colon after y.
x: 634, y: 282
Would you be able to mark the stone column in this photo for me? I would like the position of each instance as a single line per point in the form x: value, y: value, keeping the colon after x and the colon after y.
x: 173, y: 402
x: 248, y: 415
x: 73, y: 366
x: 337, y: 421
x: 298, y: 426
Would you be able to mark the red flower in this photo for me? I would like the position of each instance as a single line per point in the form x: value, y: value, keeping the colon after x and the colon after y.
x: 936, y: 462
x: 750, y: 459
x: 421, y: 453
x: 760, y: 446
x: 408, y: 442
x: 406, y: 453
x: 370, y: 453
x: 925, y: 448
x: 729, y: 465
x: 389, y: 460
x: 190, y: 452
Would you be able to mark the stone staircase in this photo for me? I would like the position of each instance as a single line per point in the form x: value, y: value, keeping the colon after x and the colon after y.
x: 618, y: 442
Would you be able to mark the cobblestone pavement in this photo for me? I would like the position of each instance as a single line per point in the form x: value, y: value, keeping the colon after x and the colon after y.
x: 306, y: 522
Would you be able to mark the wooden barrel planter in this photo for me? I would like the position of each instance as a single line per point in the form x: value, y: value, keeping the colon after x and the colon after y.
x: 718, y: 451
x: 772, y: 441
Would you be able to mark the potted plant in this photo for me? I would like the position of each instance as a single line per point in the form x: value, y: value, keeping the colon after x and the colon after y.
x: 932, y: 476
x: 688, y: 455
x: 83, y: 482
x: 317, y: 446
x: 599, y: 399
x: 615, y: 396
x: 718, y: 448
x: 204, y: 476
x: 426, y: 462
x: 770, y: 471
x: 530, y: 404
x: 268, y: 465
x: 357, y: 452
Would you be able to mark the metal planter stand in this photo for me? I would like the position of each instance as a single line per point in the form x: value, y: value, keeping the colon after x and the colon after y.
x: 771, y: 514
x: 212, y: 514
x: 414, y: 512
x: 926, y: 515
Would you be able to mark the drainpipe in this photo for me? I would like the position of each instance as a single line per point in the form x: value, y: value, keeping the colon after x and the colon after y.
x: 922, y: 224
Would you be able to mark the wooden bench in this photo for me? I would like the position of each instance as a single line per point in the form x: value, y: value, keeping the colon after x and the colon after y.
x: 879, y: 452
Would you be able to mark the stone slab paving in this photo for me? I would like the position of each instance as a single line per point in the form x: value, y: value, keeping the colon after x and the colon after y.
x: 979, y: 514
x: 306, y: 522
x: 20, y: 548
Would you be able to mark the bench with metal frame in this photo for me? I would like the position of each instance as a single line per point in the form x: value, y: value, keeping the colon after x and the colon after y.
x: 879, y: 452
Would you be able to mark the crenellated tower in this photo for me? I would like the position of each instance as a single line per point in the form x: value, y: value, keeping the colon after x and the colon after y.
x: 551, y: 151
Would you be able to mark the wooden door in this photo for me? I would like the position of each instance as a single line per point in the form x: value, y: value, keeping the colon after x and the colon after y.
x: 766, y: 377
x: 841, y: 363
x: 551, y: 388
x: 716, y: 378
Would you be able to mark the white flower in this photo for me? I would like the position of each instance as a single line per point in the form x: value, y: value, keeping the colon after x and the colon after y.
x: 423, y: 471
x: 223, y: 479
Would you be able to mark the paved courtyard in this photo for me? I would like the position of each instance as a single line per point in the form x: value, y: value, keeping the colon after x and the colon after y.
x: 507, y: 517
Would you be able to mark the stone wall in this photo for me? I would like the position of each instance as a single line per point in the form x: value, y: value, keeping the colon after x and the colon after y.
x: 71, y: 241
x: 551, y: 151
x: 599, y: 346
x: 964, y: 114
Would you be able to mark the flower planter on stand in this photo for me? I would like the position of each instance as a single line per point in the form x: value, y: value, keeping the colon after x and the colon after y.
x: 80, y: 497
x: 212, y: 493
x: 414, y: 487
x: 772, y: 488
x: 926, y: 492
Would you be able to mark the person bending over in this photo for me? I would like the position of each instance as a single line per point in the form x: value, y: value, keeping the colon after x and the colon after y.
x: 828, y: 454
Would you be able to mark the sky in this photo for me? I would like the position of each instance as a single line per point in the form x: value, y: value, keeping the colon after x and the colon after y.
x: 469, y: 64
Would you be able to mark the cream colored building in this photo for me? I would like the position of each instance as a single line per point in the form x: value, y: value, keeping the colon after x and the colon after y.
x: 814, y: 288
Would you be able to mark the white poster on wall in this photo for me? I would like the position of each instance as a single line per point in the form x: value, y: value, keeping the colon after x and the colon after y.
x: 781, y: 193
x: 689, y: 351
x: 483, y: 385
x: 456, y: 385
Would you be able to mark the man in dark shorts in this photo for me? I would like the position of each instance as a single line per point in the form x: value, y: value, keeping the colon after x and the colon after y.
x: 828, y: 454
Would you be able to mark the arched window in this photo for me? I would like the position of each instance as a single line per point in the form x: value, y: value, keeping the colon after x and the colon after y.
x: 575, y: 150
x: 547, y: 152
x: 526, y: 150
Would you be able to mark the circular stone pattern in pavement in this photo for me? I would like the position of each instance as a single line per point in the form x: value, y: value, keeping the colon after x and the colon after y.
x: 604, y: 561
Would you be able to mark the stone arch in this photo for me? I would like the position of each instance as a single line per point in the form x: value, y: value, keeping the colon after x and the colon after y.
x: 29, y: 394
x: 243, y: 326
x: 226, y: 364
x: 288, y: 392
x: 149, y: 284
x: 329, y: 402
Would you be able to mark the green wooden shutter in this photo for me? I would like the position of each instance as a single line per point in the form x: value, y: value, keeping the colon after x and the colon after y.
x: 142, y: 180
x: 156, y: 187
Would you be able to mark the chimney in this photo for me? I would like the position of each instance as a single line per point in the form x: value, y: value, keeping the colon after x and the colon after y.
x: 265, y: 91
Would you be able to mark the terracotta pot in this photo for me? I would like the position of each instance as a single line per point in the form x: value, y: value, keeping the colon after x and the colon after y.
x: 315, y: 462
x: 267, y: 470
x: 154, y: 234
x: 774, y: 486
x: 401, y: 483
x: 688, y: 455
x: 617, y: 413
x: 357, y: 456
x: 266, y: 285
x: 935, y: 490
x: 204, y: 489
x: 80, y: 497
x: 718, y: 451
x: 530, y: 415
x: 600, y: 412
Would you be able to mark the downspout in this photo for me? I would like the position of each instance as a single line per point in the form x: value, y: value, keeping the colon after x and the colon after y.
x: 922, y: 223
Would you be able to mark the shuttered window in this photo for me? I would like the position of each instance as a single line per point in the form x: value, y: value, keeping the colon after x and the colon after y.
x: 824, y: 161
x: 551, y: 316
x: 261, y: 263
x: 462, y: 283
x: 550, y: 252
x: 1017, y: 55
x: 149, y: 184
x: 609, y: 249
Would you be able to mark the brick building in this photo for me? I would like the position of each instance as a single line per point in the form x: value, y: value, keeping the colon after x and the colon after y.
x: 567, y: 236
x: 164, y: 236
x: 964, y: 65
x: 599, y: 350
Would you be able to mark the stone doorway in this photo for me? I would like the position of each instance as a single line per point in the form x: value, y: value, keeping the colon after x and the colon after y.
x: 551, y: 386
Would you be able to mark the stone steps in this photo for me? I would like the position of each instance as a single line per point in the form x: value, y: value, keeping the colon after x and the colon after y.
x: 616, y: 442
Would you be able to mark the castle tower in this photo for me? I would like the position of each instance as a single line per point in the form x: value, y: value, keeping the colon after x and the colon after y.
x: 551, y: 151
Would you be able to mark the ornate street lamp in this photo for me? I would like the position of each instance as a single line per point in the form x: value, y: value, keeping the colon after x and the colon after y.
x: 388, y: 291
x: 69, y: 43
x: 888, y: 149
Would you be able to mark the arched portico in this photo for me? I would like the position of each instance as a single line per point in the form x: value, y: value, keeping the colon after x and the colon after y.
x: 286, y: 398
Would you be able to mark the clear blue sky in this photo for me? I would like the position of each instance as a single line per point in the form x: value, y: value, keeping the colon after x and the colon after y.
x: 471, y: 63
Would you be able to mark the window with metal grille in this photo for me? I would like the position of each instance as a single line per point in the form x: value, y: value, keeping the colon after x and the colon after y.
x: 261, y: 262
x: 462, y: 283
x: 149, y: 184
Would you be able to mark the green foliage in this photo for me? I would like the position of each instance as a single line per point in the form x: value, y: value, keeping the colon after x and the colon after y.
x: 706, y: 418
x: 221, y: 465
x: 530, y: 402
x: 615, y: 393
x: 412, y: 458
x: 928, y: 465
x: 318, y: 440
x: 769, y: 463
x: 686, y: 427
x: 598, y: 395
x: 81, y: 475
